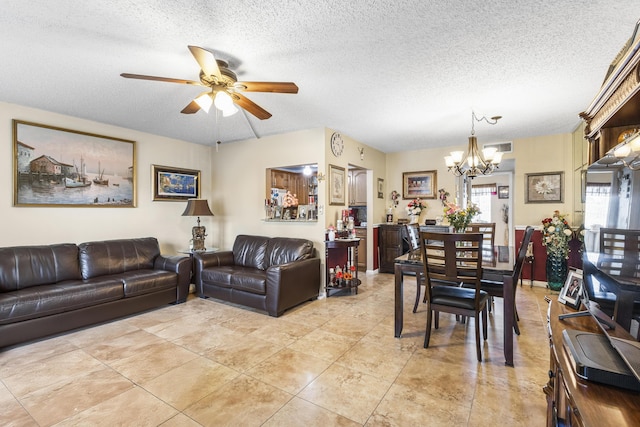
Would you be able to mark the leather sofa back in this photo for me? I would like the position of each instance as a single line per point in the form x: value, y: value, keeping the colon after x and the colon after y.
x: 281, y: 250
x: 117, y: 256
x: 263, y: 252
x: 25, y: 266
x: 249, y: 251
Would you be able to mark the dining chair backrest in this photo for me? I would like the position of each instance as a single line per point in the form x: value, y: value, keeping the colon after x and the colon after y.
x: 620, y: 252
x: 413, y: 236
x: 488, y: 230
x: 522, y: 253
x: 452, y: 257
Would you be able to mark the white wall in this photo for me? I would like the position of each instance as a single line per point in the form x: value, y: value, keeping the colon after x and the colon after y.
x: 45, y: 225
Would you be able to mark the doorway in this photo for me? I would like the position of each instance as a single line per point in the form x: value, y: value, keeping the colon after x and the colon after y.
x: 494, y: 195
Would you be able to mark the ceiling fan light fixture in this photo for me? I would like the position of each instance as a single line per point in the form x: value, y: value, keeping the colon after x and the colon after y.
x: 204, y: 101
x: 222, y: 100
x: 229, y: 111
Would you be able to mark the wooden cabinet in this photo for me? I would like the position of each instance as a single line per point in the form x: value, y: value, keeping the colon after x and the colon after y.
x: 392, y: 245
x: 361, y: 233
x: 358, y: 187
x: 572, y: 401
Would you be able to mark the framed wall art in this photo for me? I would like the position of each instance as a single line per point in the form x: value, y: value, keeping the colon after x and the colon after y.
x: 62, y: 167
x: 337, y: 182
x: 503, y: 192
x: 546, y: 187
x: 171, y: 184
x: 419, y: 184
x: 380, y: 188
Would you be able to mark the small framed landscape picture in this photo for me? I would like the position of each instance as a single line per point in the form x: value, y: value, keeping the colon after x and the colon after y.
x: 419, y: 185
x: 503, y: 192
x: 337, y: 182
x: 380, y: 188
x: 572, y: 289
x: 175, y: 184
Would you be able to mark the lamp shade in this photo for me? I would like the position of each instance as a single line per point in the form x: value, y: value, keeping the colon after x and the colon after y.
x: 197, y: 207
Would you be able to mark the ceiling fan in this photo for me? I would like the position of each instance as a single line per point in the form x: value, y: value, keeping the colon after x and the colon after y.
x: 224, y: 89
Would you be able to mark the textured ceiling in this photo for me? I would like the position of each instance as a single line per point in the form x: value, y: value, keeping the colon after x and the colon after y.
x: 397, y: 76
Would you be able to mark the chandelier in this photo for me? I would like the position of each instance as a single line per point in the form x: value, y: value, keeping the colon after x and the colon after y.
x: 474, y: 163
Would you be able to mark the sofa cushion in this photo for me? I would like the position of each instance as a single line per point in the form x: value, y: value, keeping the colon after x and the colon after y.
x: 249, y: 251
x: 281, y: 250
x: 25, y: 266
x: 117, y: 256
x: 46, y: 300
x: 141, y: 282
x: 247, y: 279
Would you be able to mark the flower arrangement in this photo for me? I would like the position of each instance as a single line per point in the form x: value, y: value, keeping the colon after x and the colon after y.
x: 460, y: 218
x: 556, y: 234
x: 416, y: 206
x: 289, y: 200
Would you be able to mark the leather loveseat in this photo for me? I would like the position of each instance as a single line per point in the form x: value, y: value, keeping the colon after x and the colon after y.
x: 49, y: 289
x: 269, y: 274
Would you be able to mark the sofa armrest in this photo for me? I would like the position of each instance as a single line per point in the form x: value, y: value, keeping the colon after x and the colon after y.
x: 292, y: 283
x: 204, y: 260
x: 180, y: 265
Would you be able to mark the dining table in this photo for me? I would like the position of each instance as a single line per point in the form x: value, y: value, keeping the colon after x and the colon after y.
x: 497, y: 265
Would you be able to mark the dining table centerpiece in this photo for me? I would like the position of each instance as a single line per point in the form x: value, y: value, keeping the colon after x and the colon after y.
x: 460, y: 218
x: 556, y: 235
x: 414, y: 209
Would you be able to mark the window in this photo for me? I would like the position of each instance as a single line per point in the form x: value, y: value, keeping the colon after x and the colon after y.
x: 597, y: 198
x: 481, y: 196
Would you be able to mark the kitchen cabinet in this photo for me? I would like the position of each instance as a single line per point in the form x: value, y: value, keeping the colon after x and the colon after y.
x: 358, y: 187
x: 361, y: 233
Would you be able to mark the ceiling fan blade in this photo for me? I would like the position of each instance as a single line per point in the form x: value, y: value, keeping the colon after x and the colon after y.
x: 250, y: 106
x: 206, y: 60
x: 192, y: 108
x: 279, y: 87
x: 160, y: 79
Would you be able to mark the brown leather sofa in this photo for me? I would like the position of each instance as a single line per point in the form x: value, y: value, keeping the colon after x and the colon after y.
x: 269, y: 274
x: 49, y: 289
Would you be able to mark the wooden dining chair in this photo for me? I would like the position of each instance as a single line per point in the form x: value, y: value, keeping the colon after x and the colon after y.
x: 488, y: 230
x: 454, y: 258
x: 495, y: 288
x: 413, y: 238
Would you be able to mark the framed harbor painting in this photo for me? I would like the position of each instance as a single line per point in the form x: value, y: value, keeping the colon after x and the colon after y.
x: 175, y: 183
x: 62, y: 167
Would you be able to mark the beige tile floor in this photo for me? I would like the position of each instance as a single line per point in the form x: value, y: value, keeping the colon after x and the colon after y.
x: 329, y: 362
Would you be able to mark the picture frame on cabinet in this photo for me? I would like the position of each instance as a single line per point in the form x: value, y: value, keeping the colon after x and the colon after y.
x: 337, y: 182
x: 572, y: 289
x: 419, y: 185
x: 58, y: 167
x: 175, y: 184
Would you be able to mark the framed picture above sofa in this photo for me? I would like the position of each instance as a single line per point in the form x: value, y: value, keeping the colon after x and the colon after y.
x: 54, y: 166
x: 175, y: 184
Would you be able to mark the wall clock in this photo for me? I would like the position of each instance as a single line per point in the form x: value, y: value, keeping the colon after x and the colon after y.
x: 337, y: 144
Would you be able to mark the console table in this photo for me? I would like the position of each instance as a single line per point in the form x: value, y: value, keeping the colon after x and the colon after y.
x: 351, y: 248
x: 572, y: 401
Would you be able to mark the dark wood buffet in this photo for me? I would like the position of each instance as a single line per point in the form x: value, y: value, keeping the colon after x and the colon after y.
x: 572, y: 401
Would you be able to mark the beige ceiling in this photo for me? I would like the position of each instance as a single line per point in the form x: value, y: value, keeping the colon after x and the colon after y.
x: 396, y: 75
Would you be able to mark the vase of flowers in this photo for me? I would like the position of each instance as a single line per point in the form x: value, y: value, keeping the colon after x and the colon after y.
x: 414, y: 209
x: 556, y: 234
x: 460, y: 218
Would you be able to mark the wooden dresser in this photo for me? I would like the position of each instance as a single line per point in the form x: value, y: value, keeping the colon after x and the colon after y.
x: 572, y: 401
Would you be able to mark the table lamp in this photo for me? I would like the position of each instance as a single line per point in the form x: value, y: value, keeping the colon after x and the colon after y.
x: 198, y: 207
